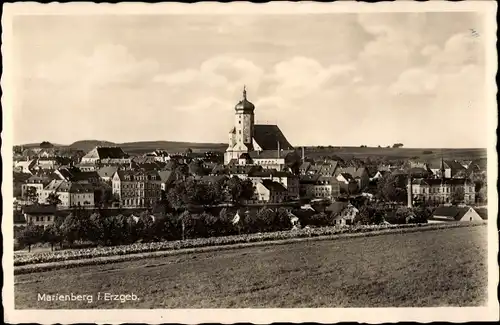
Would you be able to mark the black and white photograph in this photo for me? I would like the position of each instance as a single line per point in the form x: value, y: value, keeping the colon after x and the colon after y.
x: 240, y: 162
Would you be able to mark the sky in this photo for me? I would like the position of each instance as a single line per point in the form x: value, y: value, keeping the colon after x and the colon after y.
x: 326, y: 79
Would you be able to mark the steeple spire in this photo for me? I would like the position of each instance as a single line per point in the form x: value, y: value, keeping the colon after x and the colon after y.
x: 244, y: 92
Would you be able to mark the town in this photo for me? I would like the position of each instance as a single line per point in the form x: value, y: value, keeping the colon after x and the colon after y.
x: 259, y: 176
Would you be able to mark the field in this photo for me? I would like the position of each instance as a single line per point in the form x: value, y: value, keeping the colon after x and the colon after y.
x: 397, y: 153
x: 433, y: 268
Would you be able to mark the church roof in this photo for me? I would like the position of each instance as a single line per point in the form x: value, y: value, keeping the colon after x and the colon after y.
x: 267, y: 137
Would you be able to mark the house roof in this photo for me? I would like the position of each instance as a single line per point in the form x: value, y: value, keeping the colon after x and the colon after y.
x: 305, y: 166
x: 273, y: 186
x: 348, y: 177
x: 39, y: 209
x: 106, y: 153
x: 166, y: 175
x: 267, y: 137
x: 269, y: 154
x: 107, y: 171
x: 438, y: 181
x: 337, y: 207
x: 450, y: 212
x: 309, y: 179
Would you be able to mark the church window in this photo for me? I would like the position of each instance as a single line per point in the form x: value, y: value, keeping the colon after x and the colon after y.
x: 239, y: 131
x: 239, y: 122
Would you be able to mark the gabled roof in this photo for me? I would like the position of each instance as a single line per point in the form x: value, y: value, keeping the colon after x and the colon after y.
x: 309, y: 179
x: 267, y: 137
x: 107, y: 171
x: 273, y: 186
x: 39, y: 209
x: 337, y: 207
x: 438, y: 181
x: 450, y: 212
x: 106, y: 153
x: 348, y: 177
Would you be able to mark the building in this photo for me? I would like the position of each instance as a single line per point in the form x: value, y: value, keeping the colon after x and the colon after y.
x: 137, y: 188
x: 347, y: 183
x: 287, y: 179
x: 447, y: 168
x: 319, y: 187
x: 25, y: 166
x: 77, y: 176
x: 246, y: 137
x: 269, y: 191
x: 37, y: 182
x: 454, y: 214
x: 342, y: 213
x: 106, y: 156
x: 71, y: 194
x: 106, y: 173
x: 40, y: 215
x: 360, y: 175
x: 442, y: 190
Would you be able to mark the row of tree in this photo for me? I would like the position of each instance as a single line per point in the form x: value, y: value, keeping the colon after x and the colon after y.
x: 97, y: 229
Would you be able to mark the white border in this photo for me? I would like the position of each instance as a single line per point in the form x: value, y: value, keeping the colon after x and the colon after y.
x: 258, y: 316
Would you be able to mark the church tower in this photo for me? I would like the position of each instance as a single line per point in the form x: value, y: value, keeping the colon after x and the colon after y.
x: 244, y: 121
x: 241, y: 135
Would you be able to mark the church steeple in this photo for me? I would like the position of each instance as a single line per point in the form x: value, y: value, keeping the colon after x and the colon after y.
x: 244, y: 92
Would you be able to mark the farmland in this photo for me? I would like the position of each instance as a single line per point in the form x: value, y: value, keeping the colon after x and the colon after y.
x: 421, y: 269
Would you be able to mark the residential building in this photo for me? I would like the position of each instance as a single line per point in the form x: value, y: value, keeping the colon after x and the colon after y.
x: 71, y: 194
x: 360, y: 175
x: 106, y: 173
x: 247, y: 137
x: 342, y: 213
x: 319, y: 187
x: 40, y: 215
x: 137, y: 188
x: 269, y: 191
x: 447, y: 169
x: 347, y: 183
x: 287, y: 179
x: 454, y: 214
x: 37, y: 182
x: 25, y: 166
x: 442, y: 190
x: 77, y: 176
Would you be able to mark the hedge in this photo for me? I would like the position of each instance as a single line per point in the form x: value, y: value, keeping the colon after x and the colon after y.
x: 27, y: 263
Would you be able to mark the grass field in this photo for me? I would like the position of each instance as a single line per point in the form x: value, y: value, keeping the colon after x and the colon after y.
x: 434, y: 268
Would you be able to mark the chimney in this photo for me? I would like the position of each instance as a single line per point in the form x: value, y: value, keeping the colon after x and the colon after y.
x: 410, y: 190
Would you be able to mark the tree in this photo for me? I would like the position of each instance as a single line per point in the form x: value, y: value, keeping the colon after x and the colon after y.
x: 31, y: 194
x: 53, y: 199
x: 30, y: 235
x: 52, y: 235
x: 458, y: 195
x: 397, y: 145
x: 391, y: 188
x: 196, y: 168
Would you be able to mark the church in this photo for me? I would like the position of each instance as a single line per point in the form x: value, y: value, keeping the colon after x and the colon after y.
x: 256, y: 144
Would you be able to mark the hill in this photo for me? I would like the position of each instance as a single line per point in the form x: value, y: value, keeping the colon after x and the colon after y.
x: 142, y: 147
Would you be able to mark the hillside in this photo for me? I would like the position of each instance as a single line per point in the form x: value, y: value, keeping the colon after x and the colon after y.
x: 330, y: 273
x: 141, y: 147
x: 397, y: 153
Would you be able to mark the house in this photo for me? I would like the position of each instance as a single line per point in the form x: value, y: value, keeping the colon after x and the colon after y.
x: 347, y: 183
x: 360, y: 174
x: 378, y: 175
x: 342, y: 213
x: 137, y: 188
x: 167, y: 177
x: 37, y: 182
x: 442, y: 190
x: 448, y: 168
x: 287, y: 179
x: 106, y: 155
x: 106, y: 173
x: 454, y: 214
x: 71, y: 194
x: 25, y: 166
x: 269, y: 191
x: 304, y: 167
x: 39, y: 215
x: 77, y: 176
